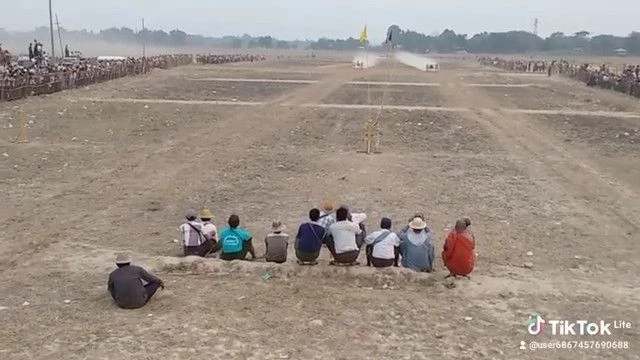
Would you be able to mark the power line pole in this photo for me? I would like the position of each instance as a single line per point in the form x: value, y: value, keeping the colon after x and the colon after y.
x: 59, y: 37
x: 53, y: 50
x: 144, y: 48
x: 535, y: 27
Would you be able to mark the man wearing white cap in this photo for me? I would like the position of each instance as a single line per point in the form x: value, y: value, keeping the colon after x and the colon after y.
x: 126, y: 287
x: 417, y: 247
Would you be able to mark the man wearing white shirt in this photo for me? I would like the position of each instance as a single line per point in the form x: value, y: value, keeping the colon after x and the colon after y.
x: 383, y: 246
x: 342, y: 244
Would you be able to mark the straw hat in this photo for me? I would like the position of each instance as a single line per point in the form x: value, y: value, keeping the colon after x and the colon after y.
x: 418, y: 224
x: 277, y: 226
x: 328, y: 205
x: 123, y: 259
x: 205, y: 214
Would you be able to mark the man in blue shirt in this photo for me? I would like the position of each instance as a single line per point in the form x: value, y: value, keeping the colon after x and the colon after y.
x: 235, y: 241
x: 309, y: 239
x: 417, y: 246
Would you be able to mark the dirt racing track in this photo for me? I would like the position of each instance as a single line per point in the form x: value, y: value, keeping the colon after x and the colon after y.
x: 547, y: 169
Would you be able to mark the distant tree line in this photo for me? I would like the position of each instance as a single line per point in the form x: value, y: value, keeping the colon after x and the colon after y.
x: 446, y: 42
x: 180, y: 38
x: 174, y: 37
x: 514, y: 42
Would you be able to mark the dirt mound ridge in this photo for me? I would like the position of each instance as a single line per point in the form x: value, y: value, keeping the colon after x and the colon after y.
x: 357, y: 275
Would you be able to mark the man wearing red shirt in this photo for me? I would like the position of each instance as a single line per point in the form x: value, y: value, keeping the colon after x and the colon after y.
x: 458, y: 253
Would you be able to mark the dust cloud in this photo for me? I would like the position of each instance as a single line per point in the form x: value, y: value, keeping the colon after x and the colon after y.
x: 366, y: 60
x: 419, y: 62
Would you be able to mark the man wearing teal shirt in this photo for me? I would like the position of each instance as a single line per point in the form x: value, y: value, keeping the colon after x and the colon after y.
x: 235, y: 241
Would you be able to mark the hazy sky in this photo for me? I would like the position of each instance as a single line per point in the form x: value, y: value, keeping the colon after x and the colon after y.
x: 289, y: 19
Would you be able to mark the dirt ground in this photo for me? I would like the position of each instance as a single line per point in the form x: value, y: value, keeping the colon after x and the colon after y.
x: 554, y: 200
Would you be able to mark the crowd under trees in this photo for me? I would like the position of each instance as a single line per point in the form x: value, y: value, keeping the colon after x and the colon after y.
x: 446, y: 42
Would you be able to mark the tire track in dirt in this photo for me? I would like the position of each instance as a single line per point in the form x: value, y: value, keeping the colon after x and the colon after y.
x: 235, y: 135
x: 613, y: 207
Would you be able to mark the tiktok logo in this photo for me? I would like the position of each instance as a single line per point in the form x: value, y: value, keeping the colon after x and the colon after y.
x: 534, y: 325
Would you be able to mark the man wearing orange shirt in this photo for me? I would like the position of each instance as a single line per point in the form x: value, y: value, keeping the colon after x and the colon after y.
x: 459, y: 250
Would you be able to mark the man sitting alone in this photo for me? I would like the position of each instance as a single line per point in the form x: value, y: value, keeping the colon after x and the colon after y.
x: 383, y: 246
x: 235, y: 241
x: 309, y: 239
x: 125, y: 284
x: 459, y: 250
x: 342, y: 241
x: 276, y: 244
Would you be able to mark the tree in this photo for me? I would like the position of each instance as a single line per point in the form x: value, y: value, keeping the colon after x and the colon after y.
x: 605, y: 44
x: 177, y: 37
x: 281, y: 44
x: 236, y: 43
x: 632, y: 43
x: 265, y: 42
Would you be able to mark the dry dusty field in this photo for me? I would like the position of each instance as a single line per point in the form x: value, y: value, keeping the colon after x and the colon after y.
x: 551, y: 168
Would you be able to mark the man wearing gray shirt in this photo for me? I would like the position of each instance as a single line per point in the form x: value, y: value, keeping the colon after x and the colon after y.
x: 276, y: 243
x: 126, y: 287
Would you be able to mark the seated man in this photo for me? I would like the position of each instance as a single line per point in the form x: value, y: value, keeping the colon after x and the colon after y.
x: 326, y: 218
x: 416, y: 246
x: 342, y: 240
x: 194, y: 241
x: 208, y: 229
x: 406, y: 228
x: 276, y: 244
x: 125, y: 284
x: 459, y: 250
x: 383, y: 246
x: 358, y: 218
x: 235, y: 241
x: 309, y: 239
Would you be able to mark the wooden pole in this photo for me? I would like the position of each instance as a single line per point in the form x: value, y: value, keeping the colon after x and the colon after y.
x: 144, y: 47
x: 53, y: 49
x: 62, y: 54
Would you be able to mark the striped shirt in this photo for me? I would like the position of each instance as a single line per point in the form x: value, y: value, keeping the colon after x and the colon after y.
x: 326, y: 220
x: 191, y: 236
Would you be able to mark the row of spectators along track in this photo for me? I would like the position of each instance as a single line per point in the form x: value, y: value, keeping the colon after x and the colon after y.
x: 626, y: 81
x: 19, y: 80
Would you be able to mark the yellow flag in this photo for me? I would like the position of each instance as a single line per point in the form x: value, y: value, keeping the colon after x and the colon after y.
x: 363, y: 35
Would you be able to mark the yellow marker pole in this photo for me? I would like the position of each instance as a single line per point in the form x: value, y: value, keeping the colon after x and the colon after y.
x: 22, y: 130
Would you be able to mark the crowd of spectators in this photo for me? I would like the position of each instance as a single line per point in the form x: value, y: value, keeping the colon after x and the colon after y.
x: 37, y: 75
x: 626, y: 81
x: 516, y: 65
x: 223, y: 59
